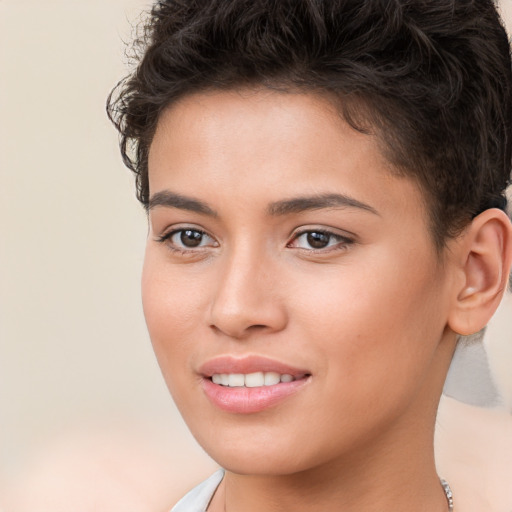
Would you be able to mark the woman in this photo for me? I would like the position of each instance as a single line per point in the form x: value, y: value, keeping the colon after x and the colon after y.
x: 324, y: 183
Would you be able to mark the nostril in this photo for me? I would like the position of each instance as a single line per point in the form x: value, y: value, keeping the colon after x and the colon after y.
x: 239, y: 318
x: 240, y: 332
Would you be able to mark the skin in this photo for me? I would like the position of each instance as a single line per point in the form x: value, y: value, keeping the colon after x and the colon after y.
x: 368, y: 315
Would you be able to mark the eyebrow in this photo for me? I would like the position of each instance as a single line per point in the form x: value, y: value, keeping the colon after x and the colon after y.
x: 301, y: 204
x: 172, y: 200
x: 317, y: 202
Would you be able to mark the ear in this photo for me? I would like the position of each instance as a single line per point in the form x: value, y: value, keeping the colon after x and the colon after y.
x: 485, y: 258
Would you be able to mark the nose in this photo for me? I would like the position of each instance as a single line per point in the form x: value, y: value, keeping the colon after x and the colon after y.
x: 248, y: 298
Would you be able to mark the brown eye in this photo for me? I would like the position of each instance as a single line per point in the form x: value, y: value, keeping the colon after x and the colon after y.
x: 188, y: 239
x: 318, y: 240
x: 191, y: 237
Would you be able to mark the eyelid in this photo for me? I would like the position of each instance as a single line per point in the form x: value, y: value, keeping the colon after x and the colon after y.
x: 348, y: 235
x: 168, y: 233
x: 181, y: 226
x: 345, y: 239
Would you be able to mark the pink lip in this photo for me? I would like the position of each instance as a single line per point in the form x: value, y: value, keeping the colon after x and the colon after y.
x: 248, y: 364
x: 243, y: 400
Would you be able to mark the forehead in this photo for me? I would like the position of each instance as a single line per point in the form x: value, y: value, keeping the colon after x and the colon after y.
x: 262, y: 145
x: 262, y: 119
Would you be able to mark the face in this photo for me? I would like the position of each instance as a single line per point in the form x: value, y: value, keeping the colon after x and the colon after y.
x: 291, y: 287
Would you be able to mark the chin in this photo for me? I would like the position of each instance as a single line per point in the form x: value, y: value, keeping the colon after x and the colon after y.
x: 258, y: 453
x: 271, y: 465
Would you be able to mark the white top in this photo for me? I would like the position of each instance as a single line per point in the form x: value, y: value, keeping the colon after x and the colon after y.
x: 198, y: 499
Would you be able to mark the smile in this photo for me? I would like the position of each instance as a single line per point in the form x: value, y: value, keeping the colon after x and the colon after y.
x: 252, y: 380
x: 250, y: 384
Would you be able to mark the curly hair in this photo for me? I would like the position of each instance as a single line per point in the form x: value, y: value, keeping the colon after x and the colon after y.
x: 431, y: 78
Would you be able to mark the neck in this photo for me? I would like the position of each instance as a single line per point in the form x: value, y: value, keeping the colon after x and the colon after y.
x: 379, y: 481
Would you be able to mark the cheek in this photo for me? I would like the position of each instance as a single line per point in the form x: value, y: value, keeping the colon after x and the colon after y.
x: 172, y: 317
x: 170, y: 310
x: 378, y: 325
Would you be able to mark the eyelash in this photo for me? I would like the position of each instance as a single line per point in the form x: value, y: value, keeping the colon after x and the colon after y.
x: 167, y: 239
x: 341, y: 242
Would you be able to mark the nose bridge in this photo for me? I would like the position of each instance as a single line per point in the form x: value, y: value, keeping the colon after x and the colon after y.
x: 245, y: 297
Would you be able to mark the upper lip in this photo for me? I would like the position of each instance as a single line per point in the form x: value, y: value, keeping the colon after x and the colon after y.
x: 248, y: 364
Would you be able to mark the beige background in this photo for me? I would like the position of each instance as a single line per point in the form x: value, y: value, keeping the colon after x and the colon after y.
x: 80, y: 391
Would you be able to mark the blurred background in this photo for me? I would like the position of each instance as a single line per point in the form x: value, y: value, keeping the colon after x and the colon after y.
x: 86, y: 422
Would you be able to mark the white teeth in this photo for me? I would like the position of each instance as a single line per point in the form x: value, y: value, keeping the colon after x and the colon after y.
x: 254, y: 380
x: 236, y: 380
x: 251, y: 380
x: 272, y: 378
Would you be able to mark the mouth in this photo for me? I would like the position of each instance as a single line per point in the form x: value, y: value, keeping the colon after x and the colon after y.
x: 250, y: 384
x: 253, y: 380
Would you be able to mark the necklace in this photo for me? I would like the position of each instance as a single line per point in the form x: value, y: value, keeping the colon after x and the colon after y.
x: 449, y: 494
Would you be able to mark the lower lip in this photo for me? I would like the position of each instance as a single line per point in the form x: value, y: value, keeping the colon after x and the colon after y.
x: 242, y: 400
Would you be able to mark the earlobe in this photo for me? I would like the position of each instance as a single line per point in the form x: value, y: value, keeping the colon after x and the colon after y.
x: 486, y: 256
